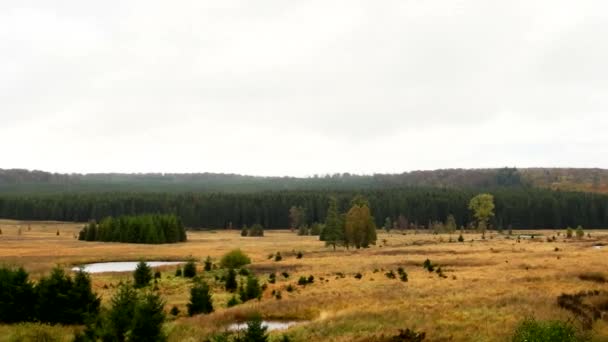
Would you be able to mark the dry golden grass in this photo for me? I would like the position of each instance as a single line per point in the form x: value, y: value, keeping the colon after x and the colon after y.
x: 491, y: 284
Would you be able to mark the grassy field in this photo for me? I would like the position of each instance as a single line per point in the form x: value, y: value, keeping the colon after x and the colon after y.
x: 490, y: 284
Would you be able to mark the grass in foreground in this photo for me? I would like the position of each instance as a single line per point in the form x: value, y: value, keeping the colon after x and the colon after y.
x: 489, y: 286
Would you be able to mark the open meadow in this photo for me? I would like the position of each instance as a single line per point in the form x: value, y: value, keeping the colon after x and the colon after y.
x: 488, y: 285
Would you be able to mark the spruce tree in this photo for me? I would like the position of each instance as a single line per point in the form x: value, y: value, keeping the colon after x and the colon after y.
x: 120, y: 316
x: 208, y: 263
x: 148, y: 320
x: 190, y: 269
x: 252, y: 289
x: 333, y: 233
x: 256, y: 332
x: 17, y: 296
x: 86, y: 302
x: 231, y: 283
x: 200, y: 299
x: 142, y: 275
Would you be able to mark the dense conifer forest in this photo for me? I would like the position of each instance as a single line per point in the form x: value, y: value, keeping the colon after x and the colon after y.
x: 151, y: 229
x: 413, y: 206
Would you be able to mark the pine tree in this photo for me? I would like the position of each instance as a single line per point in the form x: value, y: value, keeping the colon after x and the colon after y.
x: 142, y: 275
x: 200, y: 299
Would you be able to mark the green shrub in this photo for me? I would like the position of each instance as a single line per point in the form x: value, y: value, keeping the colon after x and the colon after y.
x: 299, y: 255
x: 531, y: 330
x: 157, y: 275
x: 568, y: 232
x: 178, y: 272
x: 233, y: 301
x: 428, y: 265
x: 256, y: 230
x: 235, y: 259
x: 580, y: 233
x: 208, y: 264
x: 285, y: 275
x: 278, y: 257
x: 231, y: 283
x: 174, y: 311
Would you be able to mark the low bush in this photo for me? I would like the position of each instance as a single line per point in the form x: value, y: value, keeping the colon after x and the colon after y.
x: 593, y: 276
x: 428, y: 265
x: 531, y: 330
x: 233, y: 301
x: 235, y: 259
x: 208, y: 264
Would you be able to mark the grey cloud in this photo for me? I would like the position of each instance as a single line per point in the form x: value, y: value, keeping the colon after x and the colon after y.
x: 341, y: 73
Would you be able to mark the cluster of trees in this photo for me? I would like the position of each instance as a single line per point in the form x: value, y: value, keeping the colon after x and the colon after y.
x: 152, y: 229
x: 410, y: 207
x: 356, y: 228
x: 255, y: 230
x: 56, y: 299
x: 132, y: 316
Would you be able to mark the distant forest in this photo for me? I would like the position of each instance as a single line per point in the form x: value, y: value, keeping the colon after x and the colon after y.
x: 18, y: 181
x: 519, y: 207
x: 524, y: 198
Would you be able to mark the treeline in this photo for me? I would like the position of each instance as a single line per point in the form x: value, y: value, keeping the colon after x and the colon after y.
x: 521, y: 208
x: 55, y: 299
x: 20, y: 181
x: 153, y: 229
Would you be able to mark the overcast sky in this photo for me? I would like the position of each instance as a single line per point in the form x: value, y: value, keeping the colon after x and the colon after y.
x: 302, y: 87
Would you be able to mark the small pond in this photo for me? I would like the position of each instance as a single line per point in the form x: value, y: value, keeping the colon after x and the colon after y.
x: 271, y: 325
x: 121, y: 266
